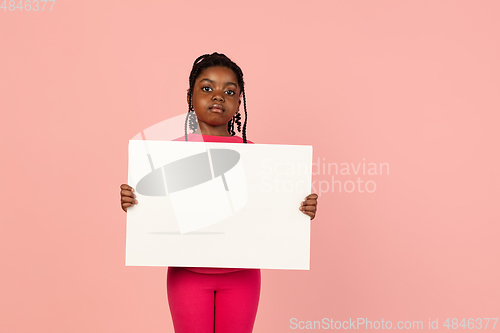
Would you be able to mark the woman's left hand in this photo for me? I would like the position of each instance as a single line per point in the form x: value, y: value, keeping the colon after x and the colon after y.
x: 309, y: 205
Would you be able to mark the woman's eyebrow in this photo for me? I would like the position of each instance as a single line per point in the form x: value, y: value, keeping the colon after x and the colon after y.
x: 227, y: 83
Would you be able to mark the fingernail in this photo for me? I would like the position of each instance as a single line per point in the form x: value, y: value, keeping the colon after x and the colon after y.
x: 136, y: 201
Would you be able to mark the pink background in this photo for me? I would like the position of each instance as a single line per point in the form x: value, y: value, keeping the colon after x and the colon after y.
x: 414, y: 84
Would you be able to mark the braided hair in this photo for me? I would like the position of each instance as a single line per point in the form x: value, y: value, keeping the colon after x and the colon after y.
x: 212, y: 60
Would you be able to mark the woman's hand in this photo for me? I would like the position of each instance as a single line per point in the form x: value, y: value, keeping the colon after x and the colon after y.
x: 309, y: 205
x: 128, y: 197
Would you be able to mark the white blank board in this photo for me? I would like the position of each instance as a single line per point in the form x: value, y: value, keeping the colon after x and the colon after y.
x: 212, y: 204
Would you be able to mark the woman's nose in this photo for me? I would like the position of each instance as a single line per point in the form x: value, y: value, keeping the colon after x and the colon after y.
x: 217, y: 96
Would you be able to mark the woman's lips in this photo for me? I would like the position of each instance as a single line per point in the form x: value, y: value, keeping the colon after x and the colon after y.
x: 216, y: 109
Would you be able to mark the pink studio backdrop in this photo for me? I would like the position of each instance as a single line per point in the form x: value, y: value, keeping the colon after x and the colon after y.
x: 407, y: 90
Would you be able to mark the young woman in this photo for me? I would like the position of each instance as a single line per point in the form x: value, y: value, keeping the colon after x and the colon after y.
x: 220, y: 300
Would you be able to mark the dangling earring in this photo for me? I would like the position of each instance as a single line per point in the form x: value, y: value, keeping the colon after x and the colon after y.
x: 193, y: 123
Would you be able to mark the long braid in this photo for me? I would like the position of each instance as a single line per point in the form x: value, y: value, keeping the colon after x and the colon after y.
x: 245, y: 123
x: 237, y: 120
x: 230, y: 126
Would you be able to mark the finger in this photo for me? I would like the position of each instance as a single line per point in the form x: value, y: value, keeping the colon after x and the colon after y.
x: 128, y: 203
x: 309, y: 203
x: 126, y: 193
x: 130, y: 200
x: 125, y: 206
x: 127, y: 187
x: 308, y: 208
x: 312, y: 196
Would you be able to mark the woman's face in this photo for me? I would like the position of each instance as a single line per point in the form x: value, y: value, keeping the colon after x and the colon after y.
x: 215, y: 99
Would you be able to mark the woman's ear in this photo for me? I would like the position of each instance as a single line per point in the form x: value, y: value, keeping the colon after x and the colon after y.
x: 187, y: 97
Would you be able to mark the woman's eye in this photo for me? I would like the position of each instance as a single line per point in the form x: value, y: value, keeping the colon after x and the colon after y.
x: 230, y: 92
x: 206, y: 89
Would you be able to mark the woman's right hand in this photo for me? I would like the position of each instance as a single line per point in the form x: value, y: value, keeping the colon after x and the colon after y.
x: 128, y: 196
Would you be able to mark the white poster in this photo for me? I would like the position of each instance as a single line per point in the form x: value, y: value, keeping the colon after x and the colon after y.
x: 212, y: 204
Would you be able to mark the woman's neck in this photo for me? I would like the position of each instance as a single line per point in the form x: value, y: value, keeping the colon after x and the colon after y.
x: 208, y: 132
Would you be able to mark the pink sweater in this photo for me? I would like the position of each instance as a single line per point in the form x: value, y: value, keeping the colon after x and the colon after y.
x: 212, y: 138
